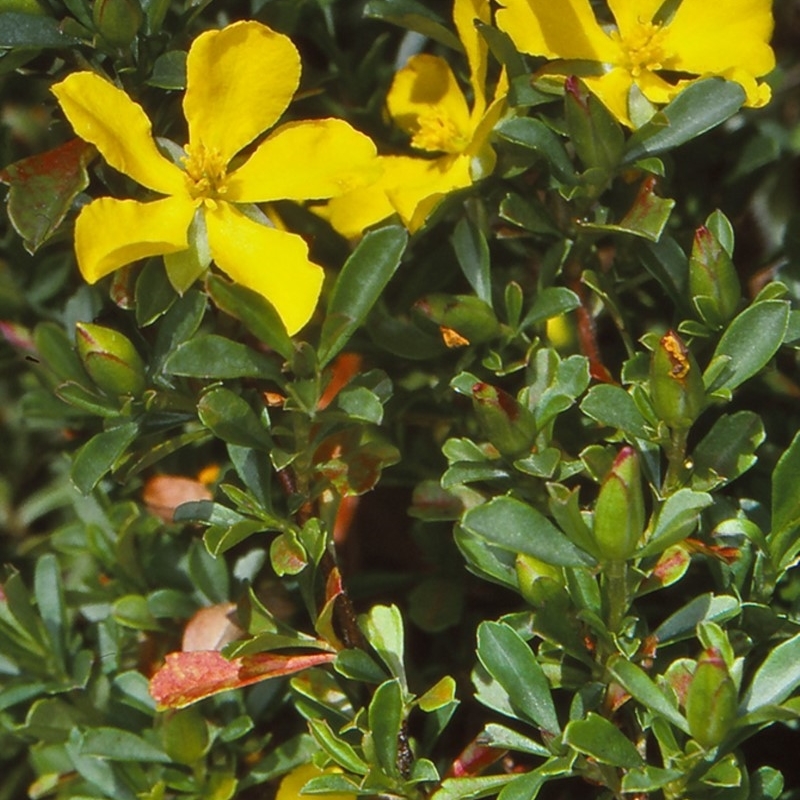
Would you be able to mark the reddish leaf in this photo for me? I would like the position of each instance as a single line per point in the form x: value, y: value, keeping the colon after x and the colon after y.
x: 211, y: 628
x: 43, y: 188
x: 162, y: 494
x: 188, y: 677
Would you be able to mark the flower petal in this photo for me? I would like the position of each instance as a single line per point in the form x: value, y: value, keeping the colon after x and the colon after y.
x: 271, y: 262
x: 613, y: 88
x: 418, y: 185
x: 630, y: 14
x: 426, y: 101
x: 712, y: 38
x: 465, y: 12
x: 111, y: 233
x: 565, y: 29
x: 310, y: 160
x: 239, y: 81
x: 104, y: 115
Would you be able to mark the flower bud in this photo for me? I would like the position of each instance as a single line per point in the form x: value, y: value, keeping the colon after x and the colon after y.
x: 711, y: 700
x: 713, y: 282
x: 619, y: 512
x: 507, y: 424
x: 110, y: 359
x: 117, y: 21
x: 676, y: 385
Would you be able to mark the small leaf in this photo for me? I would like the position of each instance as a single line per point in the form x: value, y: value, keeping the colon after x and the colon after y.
x: 472, y: 252
x: 776, y: 678
x: 43, y: 186
x: 116, y: 744
x: 706, y: 607
x: 519, y: 528
x: 230, y: 418
x: 215, y: 357
x: 358, y: 286
x: 786, y: 504
x: 414, y: 16
x: 19, y: 30
x: 169, y: 71
x: 602, y: 740
x: 187, y: 677
x: 385, y: 720
x: 751, y: 340
x: 613, y: 406
x: 535, y: 135
x: 511, y: 662
x: 676, y: 520
x: 100, y: 454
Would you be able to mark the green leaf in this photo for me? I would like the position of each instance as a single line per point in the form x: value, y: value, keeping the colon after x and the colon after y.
x: 638, y: 683
x: 169, y: 71
x: 215, y: 357
x: 595, y: 736
x: 707, y: 607
x: 751, y: 340
x: 179, y: 324
x: 648, y: 779
x: 776, y: 678
x: 255, y: 312
x: 519, y: 528
x: 523, y: 787
x: 613, y: 406
x: 511, y: 662
x: 100, y: 454
x: 361, y: 403
x: 336, y: 747
x: 116, y: 744
x: 472, y: 252
x: 358, y: 286
x: 413, y: 16
x: 507, y: 739
x: 49, y: 593
x: 19, y: 30
x: 535, y: 135
x: 43, y: 186
x: 783, y: 539
x: 230, y: 417
x: 676, y: 520
x: 385, y: 716
x: 383, y: 627
x: 698, y: 108
x: 471, y: 788
x: 549, y: 303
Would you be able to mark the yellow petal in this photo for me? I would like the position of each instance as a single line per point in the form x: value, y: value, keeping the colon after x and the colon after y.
x: 631, y: 14
x: 712, y: 38
x: 426, y: 101
x: 612, y: 89
x: 310, y: 160
x: 419, y: 185
x: 465, y: 12
x: 271, y: 262
x: 293, y: 782
x: 563, y: 29
x: 111, y: 233
x: 239, y: 81
x: 105, y: 116
x: 656, y: 89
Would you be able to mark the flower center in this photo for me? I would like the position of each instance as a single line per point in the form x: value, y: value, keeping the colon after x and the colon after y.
x: 643, y: 48
x: 438, y: 133
x: 205, y: 173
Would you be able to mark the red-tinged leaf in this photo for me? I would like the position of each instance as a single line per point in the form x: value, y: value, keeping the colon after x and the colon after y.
x: 43, y: 188
x: 188, y: 677
x: 474, y: 759
x: 211, y: 628
x: 162, y: 494
x: 324, y: 624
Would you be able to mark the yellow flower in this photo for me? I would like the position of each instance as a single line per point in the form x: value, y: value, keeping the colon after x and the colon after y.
x: 240, y: 80
x: 729, y: 39
x: 292, y: 784
x: 426, y: 101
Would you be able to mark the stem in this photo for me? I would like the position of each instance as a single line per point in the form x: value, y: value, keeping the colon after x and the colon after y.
x: 616, y: 574
x: 676, y: 457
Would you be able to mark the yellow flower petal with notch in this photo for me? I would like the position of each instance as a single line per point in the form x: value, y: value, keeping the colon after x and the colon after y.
x: 730, y: 40
x: 240, y: 80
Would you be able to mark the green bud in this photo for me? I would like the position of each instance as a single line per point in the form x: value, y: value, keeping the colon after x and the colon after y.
x: 466, y: 315
x: 619, y: 512
x: 506, y: 423
x: 711, y: 700
x: 676, y: 384
x: 713, y: 282
x: 117, y: 21
x: 185, y: 736
x: 110, y: 359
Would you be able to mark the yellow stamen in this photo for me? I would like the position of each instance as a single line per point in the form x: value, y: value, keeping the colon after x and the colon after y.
x: 205, y: 173
x: 642, y: 49
x: 438, y: 133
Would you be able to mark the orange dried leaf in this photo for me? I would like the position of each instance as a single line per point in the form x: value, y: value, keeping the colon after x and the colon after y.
x: 187, y: 677
x: 164, y: 493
